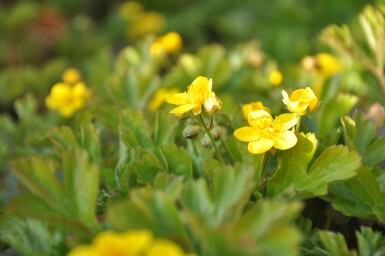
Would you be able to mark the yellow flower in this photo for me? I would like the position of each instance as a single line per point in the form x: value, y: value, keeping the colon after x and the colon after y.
x: 169, y: 43
x: 275, y: 77
x: 165, y: 248
x: 130, y: 243
x: 67, y: 99
x: 109, y: 243
x: 256, y: 105
x: 159, y: 97
x: 128, y: 9
x: 71, y: 76
x: 301, y: 101
x: 265, y: 132
x: 198, y: 93
x: 327, y: 64
x: 146, y: 23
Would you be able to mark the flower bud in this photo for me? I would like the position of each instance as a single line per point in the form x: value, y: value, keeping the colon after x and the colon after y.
x: 216, y: 132
x: 376, y: 114
x: 191, y: 131
x: 206, y: 142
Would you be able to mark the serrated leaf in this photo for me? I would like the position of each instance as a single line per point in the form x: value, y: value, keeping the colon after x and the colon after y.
x: 336, y: 163
x: 359, y: 196
x: 149, y: 209
x: 39, y: 176
x: 133, y: 129
x: 146, y: 168
x: 292, y: 165
x: 177, y: 160
x: 81, y: 185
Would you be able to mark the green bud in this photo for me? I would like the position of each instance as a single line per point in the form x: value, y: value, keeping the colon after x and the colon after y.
x: 206, y: 142
x: 191, y: 131
x: 216, y: 132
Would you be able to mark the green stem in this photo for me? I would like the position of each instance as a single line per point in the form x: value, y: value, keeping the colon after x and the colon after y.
x: 298, y: 124
x: 329, y: 219
x: 232, y: 159
x: 212, y: 140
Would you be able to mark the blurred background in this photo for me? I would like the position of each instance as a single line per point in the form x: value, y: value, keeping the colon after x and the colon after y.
x: 38, y: 39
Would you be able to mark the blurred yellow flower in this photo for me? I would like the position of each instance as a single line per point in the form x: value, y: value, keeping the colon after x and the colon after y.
x: 164, y: 248
x: 129, y: 9
x: 327, y: 64
x: 301, y: 101
x: 252, y: 106
x: 275, y: 77
x: 265, y: 132
x: 198, y: 93
x: 146, y: 23
x: 130, y: 243
x: 71, y: 76
x: 169, y: 43
x: 159, y: 97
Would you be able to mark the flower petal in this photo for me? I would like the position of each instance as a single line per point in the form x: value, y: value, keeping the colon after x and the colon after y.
x: 177, y: 98
x: 178, y: 111
x: 285, y: 121
x: 260, y: 119
x: 285, y: 140
x: 246, y: 133
x: 260, y: 146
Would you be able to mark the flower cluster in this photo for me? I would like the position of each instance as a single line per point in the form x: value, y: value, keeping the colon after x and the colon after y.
x: 68, y: 96
x: 198, y: 93
x: 168, y: 43
x: 130, y: 243
x: 264, y: 132
x: 326, y: 64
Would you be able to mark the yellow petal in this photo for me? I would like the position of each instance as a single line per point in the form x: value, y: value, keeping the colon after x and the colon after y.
x: 285, y: 121
x: 260, y: 119
x: 260, y: 146
x: 177, y: 98
x: 163, y: 247
x: 246, y: 133
x: 285, y: 140
x: 178, y: 111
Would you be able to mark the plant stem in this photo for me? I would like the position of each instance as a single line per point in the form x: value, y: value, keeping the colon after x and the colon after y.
x: 228, y: 152
x: 212, y: 140
x: 298, y: 124
x: 329, y: 220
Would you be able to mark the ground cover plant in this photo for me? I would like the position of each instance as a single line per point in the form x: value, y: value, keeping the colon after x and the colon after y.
x: 158, y: 139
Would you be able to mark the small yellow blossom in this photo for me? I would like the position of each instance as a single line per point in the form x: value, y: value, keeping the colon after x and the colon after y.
x: 71, y: 76
x: 130, y: 243
x: 66, y: 98
x: 252, y: 106
x: 275, y: 77
x: 169, y: 43
x: 159, y: 97
x: 301, y: 101
x: 265, y: 132
x: 198, y: 93
x: 327, y: 64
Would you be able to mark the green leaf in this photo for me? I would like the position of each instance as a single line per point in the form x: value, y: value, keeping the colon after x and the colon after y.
x: 177, y: 160
x: 149, y: 209
x: 212, y: 200
x: 81, y: 185
x: 146, y: 168
x: 359, y: 196
x: 335, y: 244
x: 336, y: 163
x: 39, y: 176
x: 292, y: 165
x: 359, y: 134
x: 133, y: 129
x: 333, y: 110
